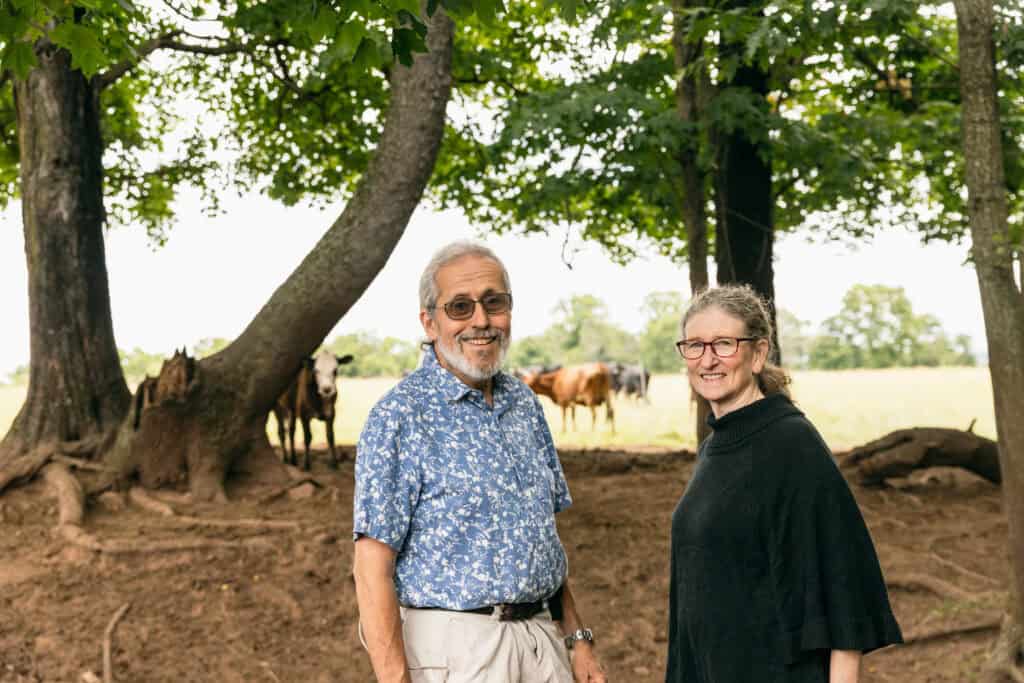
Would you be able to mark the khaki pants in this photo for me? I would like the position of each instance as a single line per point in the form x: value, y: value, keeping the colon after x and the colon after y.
x: 456, y: 647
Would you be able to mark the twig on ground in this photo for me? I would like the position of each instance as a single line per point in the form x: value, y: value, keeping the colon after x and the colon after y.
x: 108, y: 673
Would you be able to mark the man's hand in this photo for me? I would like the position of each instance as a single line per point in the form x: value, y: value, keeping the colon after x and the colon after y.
x: 585, y: 667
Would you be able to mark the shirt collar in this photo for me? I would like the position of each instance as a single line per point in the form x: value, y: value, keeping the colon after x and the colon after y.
x: 454, y: 389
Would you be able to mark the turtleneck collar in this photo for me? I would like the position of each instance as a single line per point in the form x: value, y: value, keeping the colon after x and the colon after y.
x: 736, y: 426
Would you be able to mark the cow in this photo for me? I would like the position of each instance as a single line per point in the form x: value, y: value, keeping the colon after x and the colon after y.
x: 311, y: 394
x: 588, y: 384
x: 631, y: 380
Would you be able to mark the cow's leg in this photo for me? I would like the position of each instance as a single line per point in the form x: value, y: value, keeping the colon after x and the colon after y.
x: 563, y: 419
x: 280, y: 436
x: 291, y: 440
x: 307, y: 437
x: 610, y: 413
x: 593, y: 417
x: 333, y: 461
x: 572, y: 412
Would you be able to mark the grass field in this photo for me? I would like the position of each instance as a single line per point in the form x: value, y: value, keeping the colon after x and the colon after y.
x: 848, y: 407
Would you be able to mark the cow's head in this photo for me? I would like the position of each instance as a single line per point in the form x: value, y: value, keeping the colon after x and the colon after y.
x: 325, y: 371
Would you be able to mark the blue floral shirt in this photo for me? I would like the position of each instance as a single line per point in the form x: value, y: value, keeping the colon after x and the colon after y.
x: 464, y: 492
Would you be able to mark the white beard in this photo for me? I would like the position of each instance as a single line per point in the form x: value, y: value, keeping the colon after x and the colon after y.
x: 454, y: 357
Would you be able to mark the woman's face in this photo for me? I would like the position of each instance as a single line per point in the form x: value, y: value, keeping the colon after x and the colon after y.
x: 727, y: 383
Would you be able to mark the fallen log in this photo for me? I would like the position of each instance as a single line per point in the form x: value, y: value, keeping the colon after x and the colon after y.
x: 899, y: 453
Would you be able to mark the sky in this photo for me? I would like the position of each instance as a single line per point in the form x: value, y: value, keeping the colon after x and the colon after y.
x: 214, y: 274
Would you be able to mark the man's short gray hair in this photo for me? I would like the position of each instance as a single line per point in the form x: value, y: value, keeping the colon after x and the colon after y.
x: 444, y: 256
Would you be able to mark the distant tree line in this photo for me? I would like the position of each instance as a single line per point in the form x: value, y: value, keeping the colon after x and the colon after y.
x: 876, y: 327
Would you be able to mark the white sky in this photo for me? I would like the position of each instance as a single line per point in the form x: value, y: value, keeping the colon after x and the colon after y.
x: 214, y: 274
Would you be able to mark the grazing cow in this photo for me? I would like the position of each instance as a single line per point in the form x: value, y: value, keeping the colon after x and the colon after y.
x: 588, y: 384
x: 631, y: 380
x: 177, y: 377
x: 311, y: 394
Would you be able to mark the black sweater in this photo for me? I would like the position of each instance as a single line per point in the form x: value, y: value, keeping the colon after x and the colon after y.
x: 772, y: 564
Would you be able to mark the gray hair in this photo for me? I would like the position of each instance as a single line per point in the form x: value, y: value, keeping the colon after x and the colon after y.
x: 444, y: 256
x: 747, y: 306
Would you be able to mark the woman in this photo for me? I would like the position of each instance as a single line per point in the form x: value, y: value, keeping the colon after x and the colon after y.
x: 774, y: 576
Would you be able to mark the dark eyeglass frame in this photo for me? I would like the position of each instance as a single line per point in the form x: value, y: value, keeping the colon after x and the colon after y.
x: 704, y: 346
x: 494, y: 303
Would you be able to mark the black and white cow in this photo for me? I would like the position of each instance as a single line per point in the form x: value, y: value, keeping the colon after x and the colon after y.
x: 312, y: 394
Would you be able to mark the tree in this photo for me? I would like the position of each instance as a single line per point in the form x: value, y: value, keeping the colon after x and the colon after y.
x: 996, y: 250
x: 664, y: 311
x: 221, y: 422
x: 877, y: 328
x: 794, y: 337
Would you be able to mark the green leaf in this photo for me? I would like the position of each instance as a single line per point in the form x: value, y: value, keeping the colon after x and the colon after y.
x: 19, y: 58
x: 488, y: 10
x: 432, y: 7
x: 83, y: 44
x: 349, y: 38
x: 324, y: 24
x: 405, y: 42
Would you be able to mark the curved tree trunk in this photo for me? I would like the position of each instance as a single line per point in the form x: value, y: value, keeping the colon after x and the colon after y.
x: 76, y: 388
x: 219, y: 426
x: 1001, y: 297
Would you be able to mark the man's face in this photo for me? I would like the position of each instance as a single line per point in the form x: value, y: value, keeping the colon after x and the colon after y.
x: 471, y: 349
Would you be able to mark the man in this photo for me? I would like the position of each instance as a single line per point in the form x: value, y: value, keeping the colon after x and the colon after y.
x: 460, y: 574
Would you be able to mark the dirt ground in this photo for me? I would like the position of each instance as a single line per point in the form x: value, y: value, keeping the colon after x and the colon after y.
x: 280, y: 607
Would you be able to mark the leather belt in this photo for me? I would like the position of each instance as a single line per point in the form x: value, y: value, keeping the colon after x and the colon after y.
x: 516, y: 611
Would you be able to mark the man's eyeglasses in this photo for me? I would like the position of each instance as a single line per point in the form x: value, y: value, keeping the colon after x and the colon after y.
x: 462, y: 307
x: 723, y: 347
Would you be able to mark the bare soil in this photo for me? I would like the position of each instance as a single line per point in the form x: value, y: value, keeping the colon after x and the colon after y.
x: 281, y: 608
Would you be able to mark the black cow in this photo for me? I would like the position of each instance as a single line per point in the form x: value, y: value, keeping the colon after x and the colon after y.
x: 631, y: 380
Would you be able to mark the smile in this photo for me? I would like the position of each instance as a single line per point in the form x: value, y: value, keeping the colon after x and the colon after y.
x: 479, y: 341
x: 713, y: 376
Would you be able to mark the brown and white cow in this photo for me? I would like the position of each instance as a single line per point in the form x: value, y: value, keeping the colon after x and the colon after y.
x: 588, y: 384
x: 312, y: 394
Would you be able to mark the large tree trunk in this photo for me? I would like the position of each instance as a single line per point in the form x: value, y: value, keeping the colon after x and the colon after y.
x: 689, y: 91
x: 1001, y: 297
x: 76, y: 388
x: 745, y: 226
x: 219, y: 425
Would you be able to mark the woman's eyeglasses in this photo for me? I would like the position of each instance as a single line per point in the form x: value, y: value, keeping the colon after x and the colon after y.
x: 723, y: 347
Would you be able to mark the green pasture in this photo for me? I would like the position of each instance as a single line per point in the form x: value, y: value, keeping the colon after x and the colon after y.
x: 848, y: 406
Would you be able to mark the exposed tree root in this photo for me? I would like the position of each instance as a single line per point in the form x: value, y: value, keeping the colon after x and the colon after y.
x: 141, y: 498
x: 282, y: 490
x: 71, y: 512
x: 939, y: 632
x: 22, y: 468
x: 899, y: 453
x: 108, y: 635
x: 932, y: 584
x: 80, y: 464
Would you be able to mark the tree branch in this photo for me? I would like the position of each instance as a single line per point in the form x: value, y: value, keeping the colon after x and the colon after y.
x: 169, y: 41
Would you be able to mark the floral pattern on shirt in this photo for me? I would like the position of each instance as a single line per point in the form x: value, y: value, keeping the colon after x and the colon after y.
x: 464, y: 492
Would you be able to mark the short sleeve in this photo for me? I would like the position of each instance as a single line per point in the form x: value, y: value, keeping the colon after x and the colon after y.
x: 826, y: 573
x: 562, y: 498
x: 387, y: 483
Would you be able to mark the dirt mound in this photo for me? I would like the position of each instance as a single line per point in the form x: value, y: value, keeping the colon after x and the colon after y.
x: 276, y: 603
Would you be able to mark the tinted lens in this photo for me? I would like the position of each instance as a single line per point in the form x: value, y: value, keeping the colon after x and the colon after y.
x: 724, y: 347
x: 460, y: 308
x: 496, y: 303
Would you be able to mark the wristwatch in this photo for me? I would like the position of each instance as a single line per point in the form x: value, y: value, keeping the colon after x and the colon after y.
x: 577, y: 635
